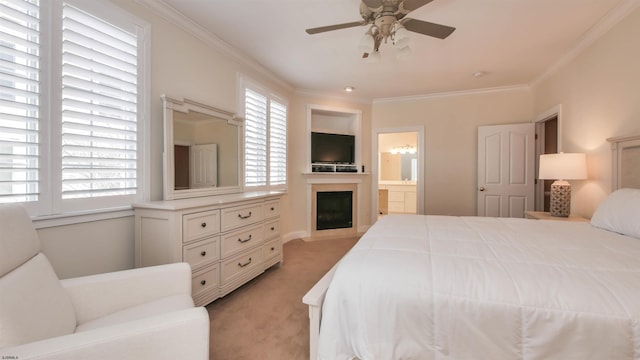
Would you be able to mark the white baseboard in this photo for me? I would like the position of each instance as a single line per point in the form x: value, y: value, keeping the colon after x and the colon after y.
x: 294, y: 235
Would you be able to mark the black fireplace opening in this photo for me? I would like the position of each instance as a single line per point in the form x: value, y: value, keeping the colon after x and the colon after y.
x: 334, y: 210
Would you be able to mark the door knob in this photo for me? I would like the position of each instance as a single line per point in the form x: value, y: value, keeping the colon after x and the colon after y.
x: 481, y: 188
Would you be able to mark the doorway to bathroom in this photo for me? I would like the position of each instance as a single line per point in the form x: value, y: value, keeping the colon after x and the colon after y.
x: 398, y: 173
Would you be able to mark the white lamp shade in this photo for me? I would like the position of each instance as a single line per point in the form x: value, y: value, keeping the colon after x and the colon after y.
x: 563, y: 166
x: 366, y: 43
x: 374, y: 57
x: 402, y: 38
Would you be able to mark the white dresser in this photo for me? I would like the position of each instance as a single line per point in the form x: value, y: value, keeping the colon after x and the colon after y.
x: 228, y: 239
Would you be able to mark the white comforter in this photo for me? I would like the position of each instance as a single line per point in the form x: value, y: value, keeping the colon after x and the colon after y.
x: 436, y: 287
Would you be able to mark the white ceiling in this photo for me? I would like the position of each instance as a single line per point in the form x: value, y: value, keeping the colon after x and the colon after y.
x: 514, y: 41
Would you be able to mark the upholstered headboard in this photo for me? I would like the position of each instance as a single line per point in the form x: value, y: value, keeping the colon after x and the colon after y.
x: 626, y: 161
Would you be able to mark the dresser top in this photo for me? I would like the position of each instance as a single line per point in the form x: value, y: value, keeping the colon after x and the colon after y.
x: 180, y: 204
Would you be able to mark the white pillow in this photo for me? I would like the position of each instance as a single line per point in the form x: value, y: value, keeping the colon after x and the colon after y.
x: 620, y: 212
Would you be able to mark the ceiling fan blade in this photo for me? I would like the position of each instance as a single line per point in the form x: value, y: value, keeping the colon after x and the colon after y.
x: 334, y: 27
x: 410, y: 5
x: 428, y: 28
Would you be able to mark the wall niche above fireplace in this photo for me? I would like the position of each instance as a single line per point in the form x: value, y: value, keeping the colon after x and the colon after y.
x: 326, y: 124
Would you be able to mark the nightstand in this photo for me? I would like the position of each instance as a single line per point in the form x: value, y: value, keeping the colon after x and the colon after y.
x: 540, y: 215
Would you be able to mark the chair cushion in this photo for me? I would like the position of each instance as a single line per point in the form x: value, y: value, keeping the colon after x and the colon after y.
x: 160, y: 306
x: 33, y: 304
x: 19, y: 241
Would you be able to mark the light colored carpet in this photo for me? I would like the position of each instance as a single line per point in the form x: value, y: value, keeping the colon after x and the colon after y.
x: 265, y: 319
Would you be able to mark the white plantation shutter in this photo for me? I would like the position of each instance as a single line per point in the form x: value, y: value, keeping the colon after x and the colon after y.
x: 19, y: 101
x: 265, y: 139
x: 277, y: 143
x: 99, y: 107
x: 255, y: 139
x: 72, y: 105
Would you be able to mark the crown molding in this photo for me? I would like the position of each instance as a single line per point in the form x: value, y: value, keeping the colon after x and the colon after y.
x: 611, y: 19
x: 325, y: 95
x: 523, y: 87
x: 169, y: 13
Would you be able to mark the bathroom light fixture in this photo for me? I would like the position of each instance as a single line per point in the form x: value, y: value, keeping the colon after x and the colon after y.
x: 404, y: 149
x: 349, y: 88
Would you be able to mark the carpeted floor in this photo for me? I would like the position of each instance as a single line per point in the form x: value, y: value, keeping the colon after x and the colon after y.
x: 265, y: 319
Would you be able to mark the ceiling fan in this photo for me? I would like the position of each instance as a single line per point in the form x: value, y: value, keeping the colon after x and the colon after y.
x: 388, y: 21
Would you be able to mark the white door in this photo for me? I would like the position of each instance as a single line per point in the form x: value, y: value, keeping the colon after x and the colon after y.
x: 204, y: 165
x: 506, y: 170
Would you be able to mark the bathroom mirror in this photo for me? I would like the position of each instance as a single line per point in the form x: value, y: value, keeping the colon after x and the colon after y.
x: 398, y: 167
x: 202, y: 150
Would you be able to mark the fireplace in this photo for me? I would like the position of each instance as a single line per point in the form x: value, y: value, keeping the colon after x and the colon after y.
x: 334, y: 210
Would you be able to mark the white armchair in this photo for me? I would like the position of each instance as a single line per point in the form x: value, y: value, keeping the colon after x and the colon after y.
x: 145, y: 313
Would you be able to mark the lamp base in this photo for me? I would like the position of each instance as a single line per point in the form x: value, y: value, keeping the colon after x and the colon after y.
x: 560, y: 199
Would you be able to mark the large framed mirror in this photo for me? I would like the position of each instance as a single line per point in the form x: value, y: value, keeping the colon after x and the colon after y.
x: 202, y: 150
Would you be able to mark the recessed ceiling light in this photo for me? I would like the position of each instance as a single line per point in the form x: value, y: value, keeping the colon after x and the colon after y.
x: 349, y: 88
x: 479, y: 74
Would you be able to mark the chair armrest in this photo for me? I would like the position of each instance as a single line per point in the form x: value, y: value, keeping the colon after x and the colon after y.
x: 95, y: 296
x: 182, y: 334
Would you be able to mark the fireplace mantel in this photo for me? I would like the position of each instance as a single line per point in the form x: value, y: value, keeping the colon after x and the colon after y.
x: 323, y: 183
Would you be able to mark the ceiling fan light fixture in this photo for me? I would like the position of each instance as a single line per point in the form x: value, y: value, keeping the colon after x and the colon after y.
x: 401, y: 38
x: 366, y: 42
x: 374, y: 57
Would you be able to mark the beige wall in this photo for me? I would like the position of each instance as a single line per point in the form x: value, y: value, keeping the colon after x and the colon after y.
x: 599, y: 91
x: 450, y: 124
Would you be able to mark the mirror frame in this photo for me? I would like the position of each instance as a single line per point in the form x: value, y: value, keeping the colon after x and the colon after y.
x: 170, y: 105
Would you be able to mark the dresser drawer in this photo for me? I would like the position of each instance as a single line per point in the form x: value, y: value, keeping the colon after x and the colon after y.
x: 241, y: 240
x: 201, y: 252
x: 271, y: 230
x: 271, y: 249
x: 238, y: 216
x: 271, y: 209
x: 199, y: 225
x: 240, y: 264
x: 205, y: 280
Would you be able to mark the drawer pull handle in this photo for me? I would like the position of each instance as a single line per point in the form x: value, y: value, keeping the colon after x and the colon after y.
x: 245, y: 264
x: 272, y: 228
x: 272, y: 208
x: 204, y: 253
x: 272, y: 248
x: 203, y: 282
x: 204, y: 224
x: 242, y: 241
x: 244, y: 216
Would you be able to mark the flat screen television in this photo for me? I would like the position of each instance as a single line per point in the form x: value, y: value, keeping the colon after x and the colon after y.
x: 332, y: 148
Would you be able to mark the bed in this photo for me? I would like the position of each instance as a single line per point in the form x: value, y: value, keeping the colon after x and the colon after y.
x: 442, y: 287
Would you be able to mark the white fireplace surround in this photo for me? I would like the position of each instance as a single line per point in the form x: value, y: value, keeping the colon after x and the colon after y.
x: 335, y: 182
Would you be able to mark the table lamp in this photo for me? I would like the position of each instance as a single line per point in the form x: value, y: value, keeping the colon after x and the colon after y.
x: 561, y: 167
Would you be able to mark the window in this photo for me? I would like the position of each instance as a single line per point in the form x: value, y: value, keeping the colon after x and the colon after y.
x: 72, y: 106
x: 265, y: 139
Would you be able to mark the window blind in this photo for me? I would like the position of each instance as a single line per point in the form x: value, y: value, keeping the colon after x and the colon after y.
x: 255, y: 161
x: 99, y: 107
x: 277, y: 143
x: 19, y: 100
